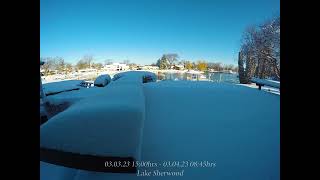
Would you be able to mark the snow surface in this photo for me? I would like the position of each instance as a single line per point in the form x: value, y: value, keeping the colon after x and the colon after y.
x: 108, y: 125
x: 61, y: 86
x: 73, y: 96
x: 235, y: 126
x: 135, y: 74
x: 102, y: 80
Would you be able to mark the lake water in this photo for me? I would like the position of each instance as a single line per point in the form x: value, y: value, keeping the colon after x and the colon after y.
x: 213, y: 77
x: 224, y: 77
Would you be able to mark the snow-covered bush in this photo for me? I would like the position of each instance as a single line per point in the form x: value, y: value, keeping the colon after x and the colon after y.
x: 102, y: 80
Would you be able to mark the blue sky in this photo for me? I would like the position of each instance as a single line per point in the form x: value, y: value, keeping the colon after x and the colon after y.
x: 142, y: 30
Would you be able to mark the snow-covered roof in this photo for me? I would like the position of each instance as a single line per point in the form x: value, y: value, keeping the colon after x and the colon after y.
x: 119, y: 64
x: 179, y: 65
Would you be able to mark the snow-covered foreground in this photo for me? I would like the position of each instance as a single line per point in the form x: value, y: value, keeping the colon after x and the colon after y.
x: 236, y: 127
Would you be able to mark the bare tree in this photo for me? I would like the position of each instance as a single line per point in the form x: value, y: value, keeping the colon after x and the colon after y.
x: 228, y: 67
x: 97, y: 65
x: 60, y: 64
x: 246, y: 60
x: 52, y: 64
x: 260, y: 51
x: 182, y: 62
x: 241, y: 70
x: 81, y: 64
x: 68, y: 67
x: 48, y: 65
x: 216, y: 66
x: 163, y: 63
x: 188, y: 65
x: 108, y: 61
x: 88, y: 59
x: 172, y: 58
x: 270, y: 48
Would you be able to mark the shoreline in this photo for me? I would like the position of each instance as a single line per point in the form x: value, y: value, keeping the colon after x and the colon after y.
x: 92, y: 75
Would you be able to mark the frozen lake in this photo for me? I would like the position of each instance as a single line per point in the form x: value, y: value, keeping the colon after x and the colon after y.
x: 214, y: 77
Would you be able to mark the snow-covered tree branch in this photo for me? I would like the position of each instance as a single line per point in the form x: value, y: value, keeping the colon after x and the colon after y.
x: 261, y: 51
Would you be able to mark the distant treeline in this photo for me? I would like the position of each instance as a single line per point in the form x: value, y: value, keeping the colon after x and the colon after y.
x: 171, y: 61
x: 53, y: 65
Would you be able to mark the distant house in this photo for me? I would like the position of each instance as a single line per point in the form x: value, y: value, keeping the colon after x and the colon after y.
x: 139, y: 67
x: 133, y: 67
x: 88, y: 70
x: 116, y: 67
x: 211, y: 70
x: 178, y: 67
x: 147, y: 67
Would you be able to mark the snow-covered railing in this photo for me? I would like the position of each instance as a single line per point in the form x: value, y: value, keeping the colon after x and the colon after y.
x: 97, y: 129
x: 266, y: 82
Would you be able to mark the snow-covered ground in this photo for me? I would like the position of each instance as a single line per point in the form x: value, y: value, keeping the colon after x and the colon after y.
x: 236, y: 127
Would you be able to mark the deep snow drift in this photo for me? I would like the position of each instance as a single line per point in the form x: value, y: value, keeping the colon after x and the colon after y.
x: 90, y: 126
x: 110, y: 124
x: 136, y: 74
x: 235, y: 126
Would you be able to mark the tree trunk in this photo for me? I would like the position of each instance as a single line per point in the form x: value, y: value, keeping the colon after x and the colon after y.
x: 242, y: 73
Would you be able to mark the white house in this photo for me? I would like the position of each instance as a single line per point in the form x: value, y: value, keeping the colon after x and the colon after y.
x: 179, y: 66
x: 116, y: 67
x: 88, y: 70
x: 149, y: 67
